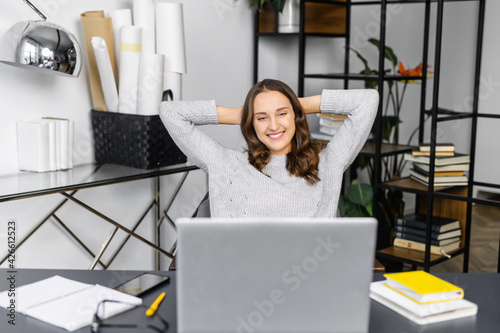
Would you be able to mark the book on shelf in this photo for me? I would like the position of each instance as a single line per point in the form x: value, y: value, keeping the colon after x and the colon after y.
x: 421, y: 314
x: 418, y: 246
x: 441, y: 179
x: 420, y: 239
x: 328, y: 130
x: 317, y: 135
x: 422, y: 232
x: 442, y: 183
x: 439, y: 147
x: 439, y: 161
x: 428, y: 153
x: 336, y: 117
x: 443, y: 168
x: 33, y: 146
x: 425, y: 171
x: 330, y: 122
x: 423, y: 287
x: 419, y: 221
x: 67, y: 303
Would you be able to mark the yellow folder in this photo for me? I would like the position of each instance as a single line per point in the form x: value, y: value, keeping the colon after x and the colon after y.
x: 423, y: 287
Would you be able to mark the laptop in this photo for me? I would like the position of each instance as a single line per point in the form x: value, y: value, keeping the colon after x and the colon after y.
x: 274, y: 275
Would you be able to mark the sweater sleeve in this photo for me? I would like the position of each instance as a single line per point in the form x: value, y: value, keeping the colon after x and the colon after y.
x: 181, y: 119
x: 360, y: 106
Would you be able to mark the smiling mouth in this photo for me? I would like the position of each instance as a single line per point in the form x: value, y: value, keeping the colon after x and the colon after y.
x: 276, y: 136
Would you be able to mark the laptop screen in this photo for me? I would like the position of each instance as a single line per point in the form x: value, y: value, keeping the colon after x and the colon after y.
x: 274, y: 275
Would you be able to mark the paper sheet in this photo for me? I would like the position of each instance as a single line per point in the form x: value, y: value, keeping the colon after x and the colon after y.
x: 95, y: 24
x: 170, y: 36
x: 67, y: 303
x: 119, y: 18
x: 130, y: 51
x: 150, y: 89
x: 144, y: 17
x: 106, y: 75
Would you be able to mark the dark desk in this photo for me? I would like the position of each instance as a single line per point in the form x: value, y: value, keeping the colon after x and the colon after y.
x: 481, y: 288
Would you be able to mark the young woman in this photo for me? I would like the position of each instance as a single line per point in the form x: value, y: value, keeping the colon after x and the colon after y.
x: 283, y: 173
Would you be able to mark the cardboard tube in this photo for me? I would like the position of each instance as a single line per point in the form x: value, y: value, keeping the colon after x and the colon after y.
x: 144, y: 17
x: 95, y: 24
x: 150, y: 90
x: 106, y: 75
x: 170, y: 36
x: 119, y: 17
x: 130, y: 51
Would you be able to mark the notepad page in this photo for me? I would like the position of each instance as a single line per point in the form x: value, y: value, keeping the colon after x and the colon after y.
x: 77, y: 310
x: 42, y: 291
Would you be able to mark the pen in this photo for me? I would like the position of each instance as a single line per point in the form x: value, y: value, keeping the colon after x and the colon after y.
x: 152, y: 309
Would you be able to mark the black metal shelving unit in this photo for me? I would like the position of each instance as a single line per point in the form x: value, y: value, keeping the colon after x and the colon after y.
x: 378, y: 150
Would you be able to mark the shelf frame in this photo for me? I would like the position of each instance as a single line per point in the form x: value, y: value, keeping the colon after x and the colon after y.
x: 379, y: 150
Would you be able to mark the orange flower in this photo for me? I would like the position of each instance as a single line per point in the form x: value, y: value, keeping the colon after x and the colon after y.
x: 417, y: 71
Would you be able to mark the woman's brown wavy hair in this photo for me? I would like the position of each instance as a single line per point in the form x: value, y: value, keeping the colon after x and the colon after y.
x: 303, y: 159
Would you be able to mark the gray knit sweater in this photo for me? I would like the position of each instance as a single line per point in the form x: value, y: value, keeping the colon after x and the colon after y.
x: 238, y: 190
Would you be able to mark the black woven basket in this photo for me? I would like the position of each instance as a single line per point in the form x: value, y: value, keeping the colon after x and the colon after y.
x: 133, y: 140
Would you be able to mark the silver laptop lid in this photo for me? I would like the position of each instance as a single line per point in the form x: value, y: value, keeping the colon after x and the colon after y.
x: 274, y: 275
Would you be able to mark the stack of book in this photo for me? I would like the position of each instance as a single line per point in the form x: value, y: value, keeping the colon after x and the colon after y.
x: 410, y: 231
x: 422, y: 297
x: 449, y: 167
x: 45, y: 144
x: 328, y: 126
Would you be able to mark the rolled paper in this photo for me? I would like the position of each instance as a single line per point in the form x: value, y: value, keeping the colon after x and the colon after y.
x: 119, y: 18
x: 170, y: 36
x: 95, y: 24
x: 150, y: 90
x: 144, y: 17
x: 108, y: 82
x: 173, y: 82
x: 130, y: 51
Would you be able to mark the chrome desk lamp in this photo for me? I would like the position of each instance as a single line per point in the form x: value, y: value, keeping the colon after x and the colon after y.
x: 42, y: 46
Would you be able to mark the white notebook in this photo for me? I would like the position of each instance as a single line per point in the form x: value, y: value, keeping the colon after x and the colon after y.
x: 421, y: 313
x: 66, y: 303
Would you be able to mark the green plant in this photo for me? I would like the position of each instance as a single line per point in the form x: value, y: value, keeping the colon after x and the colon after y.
x: 358, y: 200
x: 392, y: 167
x: 276, y: 4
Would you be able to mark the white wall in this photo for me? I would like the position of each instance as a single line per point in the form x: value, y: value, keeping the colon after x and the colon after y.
x: 219, y: 50
x: 218, y: 35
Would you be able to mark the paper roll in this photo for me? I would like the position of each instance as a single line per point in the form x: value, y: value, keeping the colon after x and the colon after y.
x: 95, y: 24
x: 130, y: 51
x: 173, y: 81
x: 170, y: 36
x: 150, y: 90
x: 108, y: 82
x: 119, y: 17
x: 144, y: 17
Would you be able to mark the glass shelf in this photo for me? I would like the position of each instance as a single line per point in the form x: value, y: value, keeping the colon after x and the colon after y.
x: 25, y: 184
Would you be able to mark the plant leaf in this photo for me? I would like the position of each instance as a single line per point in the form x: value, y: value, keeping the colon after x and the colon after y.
x: 361, y: 194
x: 363, y: 60
x: 369, y: 208
x: 278, y: 5
x: 356, y: 211
x: 388, y: 52
x: 342, y: 206
x: 388, y: 123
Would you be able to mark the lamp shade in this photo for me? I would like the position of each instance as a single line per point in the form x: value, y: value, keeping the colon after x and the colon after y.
x: 42, y: 46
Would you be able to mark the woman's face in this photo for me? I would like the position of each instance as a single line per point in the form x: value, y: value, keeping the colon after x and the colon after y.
x: 274, y: 121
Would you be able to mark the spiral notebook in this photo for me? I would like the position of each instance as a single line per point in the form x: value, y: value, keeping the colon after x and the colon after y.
x: 66, y: 303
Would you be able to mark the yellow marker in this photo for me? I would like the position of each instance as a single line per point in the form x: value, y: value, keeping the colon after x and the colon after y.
x: 152, y: 309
